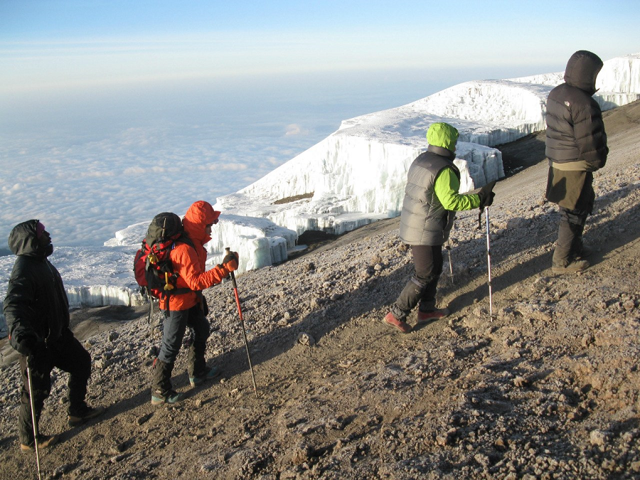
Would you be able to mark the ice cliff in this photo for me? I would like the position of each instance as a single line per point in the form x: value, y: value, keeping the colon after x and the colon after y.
x: 357, y: 174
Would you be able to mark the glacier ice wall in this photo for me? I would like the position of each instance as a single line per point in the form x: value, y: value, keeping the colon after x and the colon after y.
x: 350, y: 180
x: 357, y: 174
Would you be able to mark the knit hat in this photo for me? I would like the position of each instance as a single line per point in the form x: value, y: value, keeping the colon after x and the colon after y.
x: 39, y: 229
x: 442, y: 135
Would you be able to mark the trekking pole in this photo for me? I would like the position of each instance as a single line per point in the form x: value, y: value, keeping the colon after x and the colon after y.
x: 448, y: 248
x: 147, y: 295
x: 486, y: 211
x: 244, y: 331
x: 33, y: 418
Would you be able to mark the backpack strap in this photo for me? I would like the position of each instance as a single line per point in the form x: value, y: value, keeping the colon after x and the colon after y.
x: 183, y: 290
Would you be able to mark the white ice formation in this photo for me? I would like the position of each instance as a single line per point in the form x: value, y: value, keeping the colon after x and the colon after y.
x: 357, y: 174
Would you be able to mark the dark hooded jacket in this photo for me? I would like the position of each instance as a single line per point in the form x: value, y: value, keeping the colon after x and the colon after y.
x: 36, y: 304
x: 576, y: 138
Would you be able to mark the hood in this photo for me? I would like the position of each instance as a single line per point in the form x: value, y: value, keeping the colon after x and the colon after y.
x: 195, y: 221
x: 443, y: 135
x: 582, y: 69
x: 23, y: 240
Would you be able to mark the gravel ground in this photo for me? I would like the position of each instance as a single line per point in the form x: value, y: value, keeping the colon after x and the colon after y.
x: 546, y: 388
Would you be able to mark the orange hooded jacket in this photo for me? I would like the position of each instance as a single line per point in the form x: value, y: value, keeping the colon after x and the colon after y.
x: 189, y: 262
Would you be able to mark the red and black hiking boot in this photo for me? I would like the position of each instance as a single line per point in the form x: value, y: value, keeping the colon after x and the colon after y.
x: 390, y: 319
x: 431, y: 315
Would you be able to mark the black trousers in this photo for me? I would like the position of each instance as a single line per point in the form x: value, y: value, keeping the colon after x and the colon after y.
x: 68, y: 355
x: 421, y: 287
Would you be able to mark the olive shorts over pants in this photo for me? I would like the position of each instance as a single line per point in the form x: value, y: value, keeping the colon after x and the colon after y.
x: 574, y: 194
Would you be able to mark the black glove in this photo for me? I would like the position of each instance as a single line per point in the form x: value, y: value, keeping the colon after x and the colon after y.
x: 486, y: 195
x: 29, y: 346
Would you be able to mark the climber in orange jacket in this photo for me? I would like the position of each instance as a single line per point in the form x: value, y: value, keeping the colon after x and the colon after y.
x: 188, y: 259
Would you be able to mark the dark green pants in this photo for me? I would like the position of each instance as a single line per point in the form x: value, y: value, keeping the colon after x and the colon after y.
x: 569, y: 243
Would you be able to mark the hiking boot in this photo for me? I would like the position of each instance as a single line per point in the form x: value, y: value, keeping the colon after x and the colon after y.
x: 44, y: 441
x: 171, y: 397
x: 584, y: 253
x: 572, y: 267
x: 78, y: 418
x: 431, y: 315
x: 161, y: 380
x: 401, y: 325
x: 200, y: 379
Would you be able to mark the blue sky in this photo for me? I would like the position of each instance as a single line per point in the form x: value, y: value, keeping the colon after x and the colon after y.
x: 83, y: 43
x: 215, y: 94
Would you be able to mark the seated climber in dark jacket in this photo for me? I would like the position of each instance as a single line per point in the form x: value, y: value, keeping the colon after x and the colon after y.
x: 37, y: 312
x: 431, y: 199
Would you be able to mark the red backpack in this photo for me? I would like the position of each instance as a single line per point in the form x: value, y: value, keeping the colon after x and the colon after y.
x: 152, y: 266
